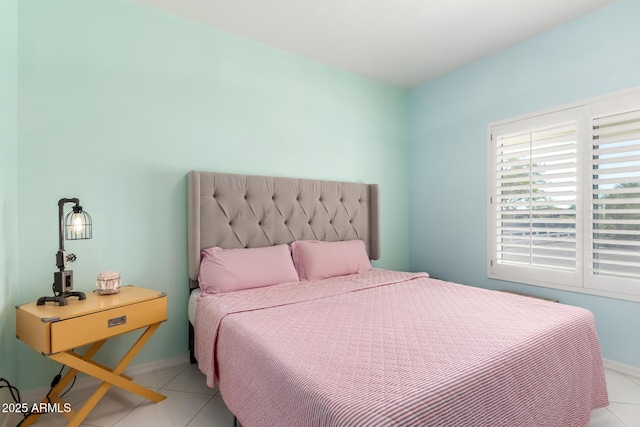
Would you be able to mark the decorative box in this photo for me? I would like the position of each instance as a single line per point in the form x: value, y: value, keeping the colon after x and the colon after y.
x: 108, y: 283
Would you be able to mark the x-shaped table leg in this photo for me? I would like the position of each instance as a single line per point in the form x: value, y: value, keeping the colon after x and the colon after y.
x: 83, y: 363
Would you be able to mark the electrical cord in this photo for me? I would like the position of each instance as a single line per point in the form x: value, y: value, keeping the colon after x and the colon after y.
x: 15, y: 393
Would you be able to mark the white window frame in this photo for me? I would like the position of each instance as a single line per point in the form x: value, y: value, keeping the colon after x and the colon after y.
x: 581, y: 280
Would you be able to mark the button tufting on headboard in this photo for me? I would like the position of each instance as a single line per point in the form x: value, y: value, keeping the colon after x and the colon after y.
x: 236, y: 211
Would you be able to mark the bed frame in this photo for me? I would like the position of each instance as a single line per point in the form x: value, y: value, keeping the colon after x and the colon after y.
x: 248, y: 211
x: 241, y: 211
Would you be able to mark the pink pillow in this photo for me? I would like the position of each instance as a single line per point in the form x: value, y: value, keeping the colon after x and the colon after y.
x: 228, y: 270
x: 318, y: 260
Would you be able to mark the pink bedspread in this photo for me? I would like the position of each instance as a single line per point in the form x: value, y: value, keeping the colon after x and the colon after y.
x: 387, y: 348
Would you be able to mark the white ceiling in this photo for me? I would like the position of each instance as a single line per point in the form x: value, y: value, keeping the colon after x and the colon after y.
x: 402, y: 42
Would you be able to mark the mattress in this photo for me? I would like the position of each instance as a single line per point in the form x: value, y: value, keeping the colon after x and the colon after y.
x: 391, y: 348
x: 193, y: 303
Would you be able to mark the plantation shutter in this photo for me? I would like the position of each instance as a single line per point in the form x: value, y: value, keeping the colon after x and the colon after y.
x: 615, y: 196
x: 564, y: 205
x: 535, y: 199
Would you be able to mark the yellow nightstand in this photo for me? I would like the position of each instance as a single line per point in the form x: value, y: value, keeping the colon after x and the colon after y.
x: 56, y: 330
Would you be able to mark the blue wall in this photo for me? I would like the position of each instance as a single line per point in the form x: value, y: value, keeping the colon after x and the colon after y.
x: 8, y: 193
x: 592, y: 56
x: 119, y: 101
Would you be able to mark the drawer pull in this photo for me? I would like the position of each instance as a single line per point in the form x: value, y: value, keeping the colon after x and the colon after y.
x: 117, y: 321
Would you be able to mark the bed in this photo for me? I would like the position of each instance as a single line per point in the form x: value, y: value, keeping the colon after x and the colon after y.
x: 370, y: 347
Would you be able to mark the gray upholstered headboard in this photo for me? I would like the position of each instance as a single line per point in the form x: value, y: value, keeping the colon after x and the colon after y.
x: 246, y: 211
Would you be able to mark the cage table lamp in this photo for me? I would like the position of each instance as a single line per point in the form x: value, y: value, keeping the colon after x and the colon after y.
x: 76, y: 226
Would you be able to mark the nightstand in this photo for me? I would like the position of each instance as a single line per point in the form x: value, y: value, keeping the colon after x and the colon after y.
x: 55, y: 331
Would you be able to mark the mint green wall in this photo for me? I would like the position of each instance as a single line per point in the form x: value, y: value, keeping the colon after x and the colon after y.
x: 8, y: 193
x: 118, y: 102
x: 448, y: 120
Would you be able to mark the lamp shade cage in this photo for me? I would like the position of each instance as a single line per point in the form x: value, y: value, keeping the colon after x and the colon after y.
x: 77, y: 225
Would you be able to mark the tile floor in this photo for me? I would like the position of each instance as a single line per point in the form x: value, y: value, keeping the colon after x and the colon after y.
x: 190, y: 403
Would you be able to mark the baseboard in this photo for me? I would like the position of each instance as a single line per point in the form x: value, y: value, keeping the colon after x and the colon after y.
x: 145, y: 368
x: 621, y: 368
x: 83, y: 381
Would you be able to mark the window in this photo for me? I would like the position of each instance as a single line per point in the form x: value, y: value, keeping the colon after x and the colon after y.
x: 564, y: 202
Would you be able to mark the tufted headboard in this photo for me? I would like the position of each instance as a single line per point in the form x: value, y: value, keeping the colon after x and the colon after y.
x: 247, y: 211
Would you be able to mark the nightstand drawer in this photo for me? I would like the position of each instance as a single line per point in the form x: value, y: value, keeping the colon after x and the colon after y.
x: 77, y: 331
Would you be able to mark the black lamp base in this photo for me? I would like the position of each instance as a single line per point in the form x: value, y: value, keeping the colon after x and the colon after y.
x: 62, y: 298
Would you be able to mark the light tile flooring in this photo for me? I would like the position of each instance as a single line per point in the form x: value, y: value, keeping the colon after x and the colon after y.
x: 191, y: 403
